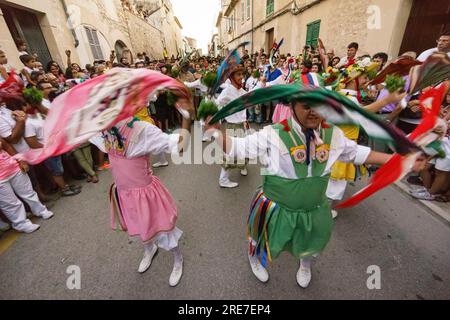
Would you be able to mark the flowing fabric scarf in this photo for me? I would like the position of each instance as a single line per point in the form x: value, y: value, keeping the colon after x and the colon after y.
x: 276, y: 47
x: 339, y: 110
x: 223, y: 73
x: 96, y: 105
x: 423, y: 136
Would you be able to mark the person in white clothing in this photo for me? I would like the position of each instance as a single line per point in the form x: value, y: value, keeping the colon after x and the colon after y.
x: 443, y: 46
x: 46, y: 88
x: 34, y: 137
x: 236, y: 123
x: 14, y: 180
x: 3, y: 67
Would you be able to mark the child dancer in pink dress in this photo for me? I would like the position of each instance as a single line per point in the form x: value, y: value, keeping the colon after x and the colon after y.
x: 141, y: 205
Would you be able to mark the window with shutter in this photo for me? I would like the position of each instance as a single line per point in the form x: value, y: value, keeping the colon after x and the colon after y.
x: 312, y: 33
x: 243, y: 12
x: 270, y: 7
x: 94, y: 43
x: 248, y: 9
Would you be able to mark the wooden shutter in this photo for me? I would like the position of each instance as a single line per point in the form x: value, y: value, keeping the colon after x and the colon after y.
x: 270, y: 7
x: 94, y: 43
x: 312, y: 33
x: 97, y: 45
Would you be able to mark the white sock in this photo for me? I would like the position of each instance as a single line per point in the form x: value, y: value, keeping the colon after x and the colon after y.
x: 148, y: 247
x: 306, y: 262
x: 178, y: 257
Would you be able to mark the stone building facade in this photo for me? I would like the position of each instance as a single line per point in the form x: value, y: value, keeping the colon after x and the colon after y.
x: 91, y: 29
x: 377, y: 25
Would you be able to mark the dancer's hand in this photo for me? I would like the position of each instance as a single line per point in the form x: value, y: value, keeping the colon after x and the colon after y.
x: 208, y: 126
x: 24, y: 166
x: 420, y: 164
x: 185, y: 107
x: 395, y: 97
x: 19, y: 115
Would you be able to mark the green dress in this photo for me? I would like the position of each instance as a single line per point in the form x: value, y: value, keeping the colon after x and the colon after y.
x: 292, y: 215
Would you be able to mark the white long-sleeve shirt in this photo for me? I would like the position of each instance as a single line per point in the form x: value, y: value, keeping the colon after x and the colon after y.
x: 276, y: 159
x: 150, y: 141
x: 229, y: 94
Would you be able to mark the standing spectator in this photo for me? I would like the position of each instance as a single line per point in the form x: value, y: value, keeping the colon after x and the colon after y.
x: 146, y: 58
x: 34, y: 136
x: 316, y: 68
x: 251, y: 84
x: 330, y: 55
x: 28, y: 62
x: 381, y: 58
x: 335, y: 61
x: 3, y: 67
x: 124, y: 62
x: 46, y: 88
x: 352, y: 50
x: 22, y: 47
x: 54, y: 68
x: 443, y: 46
x: 83, y: 154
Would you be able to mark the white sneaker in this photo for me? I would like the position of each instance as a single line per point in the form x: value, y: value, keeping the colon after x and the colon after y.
x: 27, y: 227
x: 334, y: 214
x: 147, y: 259
x: 229, y: 184
x: 4, y: 226
x: 244, y: 172
x: 304, y: 277
x: 160, y: 164
x: 176, y: 274
x: 46, y: 215
x: 424, y: 196
x: 416, y: 191
x: 258, y: 270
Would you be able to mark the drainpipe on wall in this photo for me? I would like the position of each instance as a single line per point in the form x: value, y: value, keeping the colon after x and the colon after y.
x: 75, y: 38
x: 253, y: 45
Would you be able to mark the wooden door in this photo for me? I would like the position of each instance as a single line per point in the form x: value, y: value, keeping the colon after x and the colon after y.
x: 269, y: 40
x: 428, y: 19
x: 25, y: 25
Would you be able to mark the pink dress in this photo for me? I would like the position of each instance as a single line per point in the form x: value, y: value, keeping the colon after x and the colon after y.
x: 140, y: 201
x: 281, y: 112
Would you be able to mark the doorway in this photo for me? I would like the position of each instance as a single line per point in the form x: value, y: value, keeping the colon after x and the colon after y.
x: 270, y: 37
x: 428, y: 19
x: 24, y: 25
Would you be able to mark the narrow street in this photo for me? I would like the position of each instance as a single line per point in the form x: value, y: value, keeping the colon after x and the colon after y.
x: 389, y: 230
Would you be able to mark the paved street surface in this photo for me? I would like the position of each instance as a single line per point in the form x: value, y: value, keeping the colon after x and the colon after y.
x: 389, y: 230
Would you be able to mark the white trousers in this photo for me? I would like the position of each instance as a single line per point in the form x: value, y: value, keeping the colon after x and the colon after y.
x: 162, y: 158
x: 224, y: 176
x: 336, y: 189
x: 12, y: 207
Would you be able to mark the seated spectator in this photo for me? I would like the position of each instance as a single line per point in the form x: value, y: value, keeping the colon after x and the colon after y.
x: 436, y: 176
x: 15, y: 182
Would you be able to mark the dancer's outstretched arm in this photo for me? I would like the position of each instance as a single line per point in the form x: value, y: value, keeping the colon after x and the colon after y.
x: 183, y: 142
